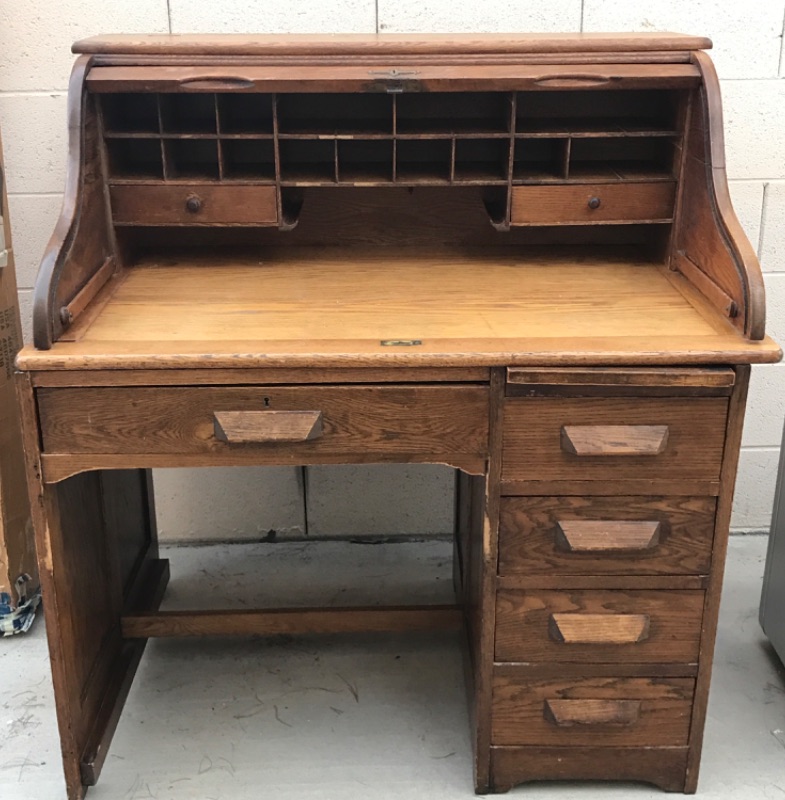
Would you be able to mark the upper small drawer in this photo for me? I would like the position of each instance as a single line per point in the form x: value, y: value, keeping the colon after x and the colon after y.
x: 287, y: 423
x: 589, y: 204
x: 193, y: 204
x: 588, y: 438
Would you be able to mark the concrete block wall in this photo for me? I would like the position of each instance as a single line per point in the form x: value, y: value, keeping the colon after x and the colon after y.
x: 34, y: 65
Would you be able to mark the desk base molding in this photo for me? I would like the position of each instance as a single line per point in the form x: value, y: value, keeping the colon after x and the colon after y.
x: 662, y: 766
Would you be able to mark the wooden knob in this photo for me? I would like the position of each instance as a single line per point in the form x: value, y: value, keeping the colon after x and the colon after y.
x: 594, y: 203
x: 193, y: 203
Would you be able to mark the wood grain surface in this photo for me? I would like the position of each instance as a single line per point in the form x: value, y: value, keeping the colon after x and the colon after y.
x: 357, y: 419
x: 524, y: 621
x: 662, y: 766
x: 569, y: 205
x: 628, y: 712
x: 693, y: 449
x: 347, y: 44
x: 532, y: 529
x: 329, y: 307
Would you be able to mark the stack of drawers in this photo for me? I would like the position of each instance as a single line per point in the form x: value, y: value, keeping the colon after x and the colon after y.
x: 606, y: 525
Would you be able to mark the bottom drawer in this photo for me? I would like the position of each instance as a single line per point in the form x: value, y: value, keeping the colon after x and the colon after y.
x: 633, y: 712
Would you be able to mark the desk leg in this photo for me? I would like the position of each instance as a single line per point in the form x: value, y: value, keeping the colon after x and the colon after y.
x: 97, y: 549
x: 478, y: 535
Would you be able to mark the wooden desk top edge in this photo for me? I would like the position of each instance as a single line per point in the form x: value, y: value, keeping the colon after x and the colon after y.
x: 393, y: 44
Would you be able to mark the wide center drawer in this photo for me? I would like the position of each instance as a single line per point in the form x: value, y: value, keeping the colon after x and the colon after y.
x: 291, y: 421
x: 607, y: 438
x: 649, y: 626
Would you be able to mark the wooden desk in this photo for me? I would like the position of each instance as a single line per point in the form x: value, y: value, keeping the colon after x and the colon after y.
x: 514, y: 256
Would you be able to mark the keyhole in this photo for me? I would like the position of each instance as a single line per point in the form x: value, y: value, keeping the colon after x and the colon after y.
x: 266, y: 402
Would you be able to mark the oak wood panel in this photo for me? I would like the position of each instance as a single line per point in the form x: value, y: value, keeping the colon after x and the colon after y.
x: 603, y: 537
x: 532, y: 530
x: 570, y: 205
x: 259, y: 427
x: 524, y: 623
x: 600, y: 581
x: 214, y: 205
x: 709, y: 236
x: 662, y: 766
x: 480, y: 597
x: 467, y: 308
x: 81, y: 241
x: 571, y: 628
x: 342, y: 77
x: 516, y: 672
x: 146, y: 593
x: 590, y: 488
x: 347, y: 44
x: 638, y: 381
x: 614, y: 440
x: 285, y: 621
x: 218, y: 377
x: 365, y: 420
x: 694, y: 447
x: 627, y: 712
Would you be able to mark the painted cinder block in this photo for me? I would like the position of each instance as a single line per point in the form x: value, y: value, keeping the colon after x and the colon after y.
x: 37, y: 36
x: 775, y: 305
x: 388, y: 499
x: 754, y: 113
x: 746, y: 36
x: 228, y: 503
x: 773, y: 237
x: 33, y: 218
x: 35, y: 138
x: 448, y: 16
x: 765, y: 406
x: 754, y: 498
x: 26, y: 313
x: 273, y: 16
x: 747, y: 199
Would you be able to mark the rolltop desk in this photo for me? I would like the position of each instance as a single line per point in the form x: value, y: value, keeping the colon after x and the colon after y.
x: 514, y: 255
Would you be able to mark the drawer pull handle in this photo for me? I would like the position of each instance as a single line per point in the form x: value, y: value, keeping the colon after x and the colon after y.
x: 595, y: 536
x: 566, y: 713
x: 598, y: 628
x: 193, y: 203
x: 594, y: 203
x: 614, y: 440
x: 260, y: 427
x: 577, y: 79
x: 216, y: 82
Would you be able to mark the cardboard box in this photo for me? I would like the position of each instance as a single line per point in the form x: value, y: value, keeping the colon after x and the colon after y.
x: 19, y: 592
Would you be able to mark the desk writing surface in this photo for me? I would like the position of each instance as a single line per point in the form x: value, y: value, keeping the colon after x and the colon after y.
x: 336, y: 305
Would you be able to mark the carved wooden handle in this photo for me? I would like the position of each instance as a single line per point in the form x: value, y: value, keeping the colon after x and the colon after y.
x: 577, y: 79
x: 614, y: 440
x: 577, y: 628
x: 598, y: 536
x: 566, y: 713
x: 259, y: 427
x: 216, y: 82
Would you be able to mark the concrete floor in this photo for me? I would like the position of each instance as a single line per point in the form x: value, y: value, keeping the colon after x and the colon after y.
x: 371, y: 718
